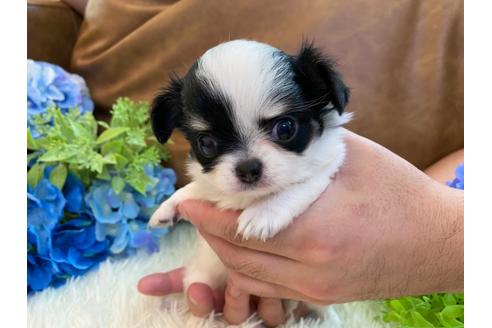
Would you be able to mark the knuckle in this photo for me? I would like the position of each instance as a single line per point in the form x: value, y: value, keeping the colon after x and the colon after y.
x: 250, y: 269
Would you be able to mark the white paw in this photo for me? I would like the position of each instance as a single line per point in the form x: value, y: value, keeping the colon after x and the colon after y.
x: 262, y: 222
x: 164, y: 216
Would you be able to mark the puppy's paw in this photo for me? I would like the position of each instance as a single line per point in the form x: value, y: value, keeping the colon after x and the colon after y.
x: 164, y: 216
x: 262, y: 222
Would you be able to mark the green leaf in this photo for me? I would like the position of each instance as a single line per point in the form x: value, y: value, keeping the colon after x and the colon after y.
x: 35, y: 174
x: 392, y: 317
x: 103, y: 124
x: 420, y: 322
x: 104, y: 175
x: 58, y: 176
x: 449, y: 299
x: 449, y: 322
x: 31, y: 142
x: 121, y: 161
x: 114, y: 146
x: 118, y: 183
x: 110, y: 133
x: 58, y: 155
x: 396, y: 305
x: 33, y: 156
x: 453, y: 311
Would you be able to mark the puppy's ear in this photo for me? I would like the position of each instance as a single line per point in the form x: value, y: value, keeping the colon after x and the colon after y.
x: 319, y: 82
x: 166, y: 111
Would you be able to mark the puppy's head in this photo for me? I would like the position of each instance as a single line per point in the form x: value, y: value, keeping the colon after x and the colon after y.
x: 257, y: 119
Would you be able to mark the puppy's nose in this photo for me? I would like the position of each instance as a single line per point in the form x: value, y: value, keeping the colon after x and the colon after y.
x: 249, y: 171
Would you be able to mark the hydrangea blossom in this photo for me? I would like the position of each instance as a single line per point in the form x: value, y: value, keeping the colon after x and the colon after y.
x: 40, y: 269
x: 123, y: 217
x: 45, y: 204
x: 459, y: 181
x: 49, y: 85
x: 75, y: 248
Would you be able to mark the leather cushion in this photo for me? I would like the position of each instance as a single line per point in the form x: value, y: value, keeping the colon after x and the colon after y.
x: 402, y: 59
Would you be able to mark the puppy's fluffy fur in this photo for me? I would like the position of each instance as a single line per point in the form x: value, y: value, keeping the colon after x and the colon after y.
x: 266, y: 138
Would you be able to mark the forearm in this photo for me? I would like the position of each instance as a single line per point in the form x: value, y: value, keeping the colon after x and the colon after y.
x: 451, y: 254
x: 438, y: 266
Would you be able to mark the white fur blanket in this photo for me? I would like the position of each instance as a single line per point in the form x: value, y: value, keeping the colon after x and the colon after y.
x: 107, y: 297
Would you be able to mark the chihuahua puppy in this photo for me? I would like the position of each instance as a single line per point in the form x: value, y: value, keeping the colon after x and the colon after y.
x: 265, y: 134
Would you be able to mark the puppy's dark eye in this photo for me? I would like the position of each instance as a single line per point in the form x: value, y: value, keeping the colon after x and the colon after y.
x: 284, y: 129
x: 207, y: 146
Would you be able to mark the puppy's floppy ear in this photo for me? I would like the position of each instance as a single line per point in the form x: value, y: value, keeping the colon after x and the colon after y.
x: 166, y: 111
x: 318, y: 80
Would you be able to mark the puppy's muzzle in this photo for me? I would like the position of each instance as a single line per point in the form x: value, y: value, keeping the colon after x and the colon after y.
x: 249, y: 171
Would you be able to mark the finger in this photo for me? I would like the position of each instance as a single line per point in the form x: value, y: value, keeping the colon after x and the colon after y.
x: 266, y: 289
x: 161, y: 284
x: 200, y: 299
x: 236, y: 307
x: 271, y: 311
x: 256, y: 264
x: 223, y: 224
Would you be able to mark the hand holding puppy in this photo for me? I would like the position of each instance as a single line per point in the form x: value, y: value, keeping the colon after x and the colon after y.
x: 381, y: 229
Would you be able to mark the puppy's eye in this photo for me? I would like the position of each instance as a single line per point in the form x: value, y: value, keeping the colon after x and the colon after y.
x: 284, y: 129
x: 207, y: 146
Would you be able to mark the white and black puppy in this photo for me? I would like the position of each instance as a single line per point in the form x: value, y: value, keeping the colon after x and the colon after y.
x: 265, y: 134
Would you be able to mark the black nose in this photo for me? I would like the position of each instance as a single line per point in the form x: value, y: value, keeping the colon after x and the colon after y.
x: 249, y: 171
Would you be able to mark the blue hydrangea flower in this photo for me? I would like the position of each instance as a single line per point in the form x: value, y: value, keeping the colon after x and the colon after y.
x: 40, y: 272
x: 75, y: 248
x: 122, y: 218
x: 142, y: 237
x: 459, y: 181
x: 109, y: 207
x: 45, y: 205
x: 74, y: 191
x: 40, y: 269
x: 49, y: 85
x: 112, y: 211
x: 154, y: 196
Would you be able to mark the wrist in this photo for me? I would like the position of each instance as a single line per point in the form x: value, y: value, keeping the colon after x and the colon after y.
x: 447, y: 240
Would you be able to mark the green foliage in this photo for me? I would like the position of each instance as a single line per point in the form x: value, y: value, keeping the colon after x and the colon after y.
x: 119, y: 153
x: 436, y: 310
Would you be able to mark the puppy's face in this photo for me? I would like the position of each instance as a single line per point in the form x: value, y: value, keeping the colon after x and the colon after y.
x: 257, y: 119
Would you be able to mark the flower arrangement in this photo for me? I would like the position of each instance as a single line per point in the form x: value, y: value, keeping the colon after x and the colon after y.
x: 436, y: 310
x: 91, y: 185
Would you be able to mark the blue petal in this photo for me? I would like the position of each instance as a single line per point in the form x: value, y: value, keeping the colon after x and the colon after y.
x: 130, y: 209
x: 76, y: 259
x: 73, y: 191
x: 460, y: 172
x: 39, y: 275
x: 112, y: 198
x: 121, y: 240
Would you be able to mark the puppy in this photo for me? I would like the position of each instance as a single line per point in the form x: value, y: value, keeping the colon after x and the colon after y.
x: 265, y: 134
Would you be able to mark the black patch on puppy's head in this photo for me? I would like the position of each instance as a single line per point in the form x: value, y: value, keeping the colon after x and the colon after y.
x: 167, y: 110
x: 320, y: 84
x: 193, y: 99
x: 205, y: 103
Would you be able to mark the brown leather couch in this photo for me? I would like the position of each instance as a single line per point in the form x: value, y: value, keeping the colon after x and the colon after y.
x: 402, y: 59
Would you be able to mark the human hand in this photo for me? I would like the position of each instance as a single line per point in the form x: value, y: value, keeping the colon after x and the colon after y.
x: 201, y: 299
x: 381, y: 229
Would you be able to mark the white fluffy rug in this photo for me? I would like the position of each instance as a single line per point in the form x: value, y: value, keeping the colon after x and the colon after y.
x: 108, y: 297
